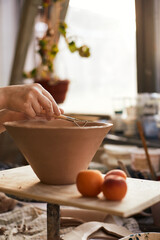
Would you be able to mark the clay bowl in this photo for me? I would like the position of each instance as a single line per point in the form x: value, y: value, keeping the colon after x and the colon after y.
x: 58, y: 149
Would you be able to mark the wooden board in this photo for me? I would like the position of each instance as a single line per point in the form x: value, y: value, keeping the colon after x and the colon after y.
x: 22, y: 182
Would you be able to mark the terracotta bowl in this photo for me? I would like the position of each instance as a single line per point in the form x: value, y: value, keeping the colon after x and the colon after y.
x: 58, y: 149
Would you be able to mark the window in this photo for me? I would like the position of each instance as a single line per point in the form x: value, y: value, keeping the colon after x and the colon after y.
x: 109, y: 29
x: 9, y: 17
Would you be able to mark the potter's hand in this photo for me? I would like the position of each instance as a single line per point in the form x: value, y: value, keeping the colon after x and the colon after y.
x: 29, y: 99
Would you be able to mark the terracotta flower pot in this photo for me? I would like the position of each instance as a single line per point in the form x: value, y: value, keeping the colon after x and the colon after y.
x: 58, y: 90
x: 57, y: 150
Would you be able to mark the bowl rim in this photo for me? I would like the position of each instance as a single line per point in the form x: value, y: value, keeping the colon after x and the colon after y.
x: 18, y: 124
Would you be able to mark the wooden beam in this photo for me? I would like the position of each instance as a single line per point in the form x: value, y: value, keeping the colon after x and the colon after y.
x: 148, y: 50
x: 29, y: 12
x: 58, y: 14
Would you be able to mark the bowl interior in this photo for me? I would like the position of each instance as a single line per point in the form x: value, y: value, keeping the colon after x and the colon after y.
x: 56, y: 123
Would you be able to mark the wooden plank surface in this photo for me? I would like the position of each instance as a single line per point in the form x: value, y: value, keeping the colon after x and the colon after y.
x: 22, y: 182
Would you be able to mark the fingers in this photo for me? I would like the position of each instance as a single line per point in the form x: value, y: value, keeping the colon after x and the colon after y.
x: 29, y: 110
x: 38, y: 111
x: 42, y: 105
x: 37, y: 108
x: 32, y: 100
x: 46, y: 104
x: 61, y: 110
x: 56, y: 109
x: 38, y: 100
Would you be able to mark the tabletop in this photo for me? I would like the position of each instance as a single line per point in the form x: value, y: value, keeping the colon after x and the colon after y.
x: 22, y: 182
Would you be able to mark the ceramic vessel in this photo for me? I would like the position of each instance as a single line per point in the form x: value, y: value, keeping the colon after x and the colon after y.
x: 58, y: 149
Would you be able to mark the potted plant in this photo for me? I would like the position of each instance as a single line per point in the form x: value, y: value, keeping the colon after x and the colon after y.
x: 47, y: 49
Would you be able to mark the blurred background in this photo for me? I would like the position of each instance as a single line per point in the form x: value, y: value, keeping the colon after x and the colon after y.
x: 107, y: 53
x: 108, y: 28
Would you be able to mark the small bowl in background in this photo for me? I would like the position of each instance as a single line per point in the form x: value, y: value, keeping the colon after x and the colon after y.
x: 139, y: 162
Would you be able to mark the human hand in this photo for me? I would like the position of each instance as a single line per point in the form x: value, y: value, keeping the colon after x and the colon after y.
x: 9, y: 116
x: 31, y: 99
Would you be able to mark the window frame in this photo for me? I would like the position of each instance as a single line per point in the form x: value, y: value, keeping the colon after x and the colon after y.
x: 148, y: 49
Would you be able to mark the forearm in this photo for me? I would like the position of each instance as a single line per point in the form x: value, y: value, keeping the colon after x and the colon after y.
x: 3, y: 118
x: 8, y: 116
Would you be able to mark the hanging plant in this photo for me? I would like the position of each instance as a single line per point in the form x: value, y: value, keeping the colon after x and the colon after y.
x: 47, y: 49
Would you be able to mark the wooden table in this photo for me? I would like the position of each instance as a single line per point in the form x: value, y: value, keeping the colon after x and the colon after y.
x: 22, y: 182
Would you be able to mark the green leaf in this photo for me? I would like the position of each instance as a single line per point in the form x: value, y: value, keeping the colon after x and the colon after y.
x: 54, y: 50
x: 24, y: 75
x: 42, y: 43
x: 72, y: 46
x: 41, y: 52
x: 50, y: 66
x: 62, y: 28
x: 84, y: 51
x: 34, y: 72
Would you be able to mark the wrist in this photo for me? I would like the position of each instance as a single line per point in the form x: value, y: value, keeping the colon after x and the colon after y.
x: 3, y: 96
x: 3, y: 118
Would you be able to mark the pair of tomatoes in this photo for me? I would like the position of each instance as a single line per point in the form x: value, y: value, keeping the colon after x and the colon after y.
x: 113, y: 185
